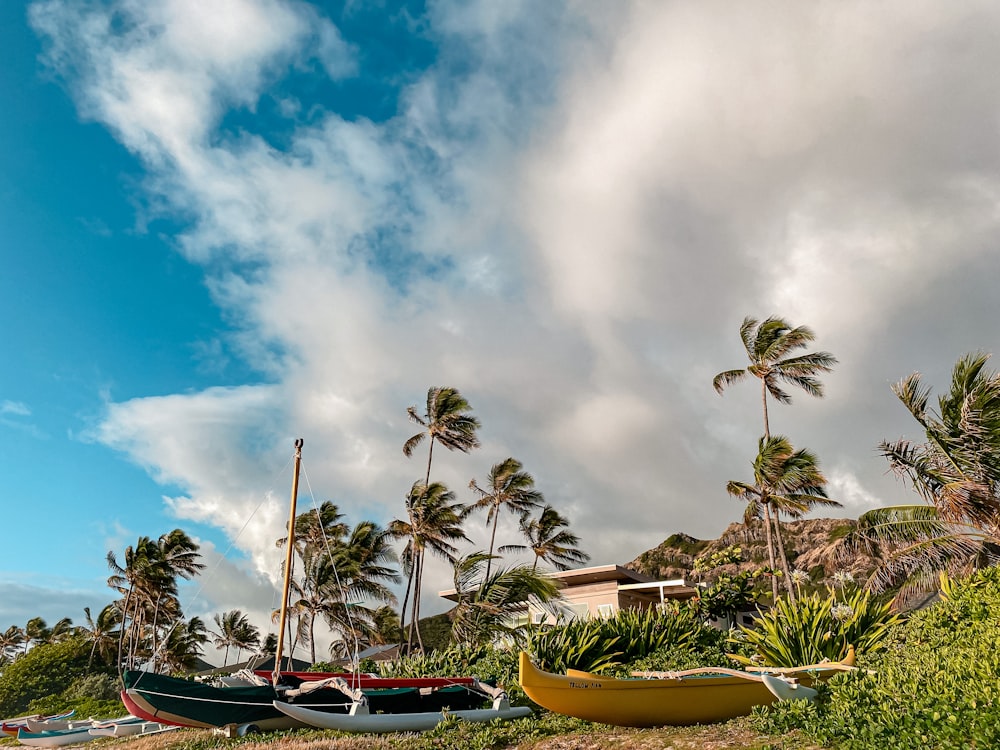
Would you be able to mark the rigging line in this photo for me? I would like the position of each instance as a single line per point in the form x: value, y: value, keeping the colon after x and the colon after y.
x: 218, y: 562
x: 336, y: 574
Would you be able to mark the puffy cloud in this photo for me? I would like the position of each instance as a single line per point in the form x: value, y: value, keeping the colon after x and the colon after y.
x: 567, y: 219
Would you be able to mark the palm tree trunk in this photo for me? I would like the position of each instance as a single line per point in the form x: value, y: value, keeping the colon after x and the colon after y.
x: 430, y: 455
x: 416, y: 601
x: 770, y: 550
x: 493, y: 539
x: 763, y: 401
x: 121, y: 629
x: 402, y: 610
x: 312, y: 637
x: 783, y: 559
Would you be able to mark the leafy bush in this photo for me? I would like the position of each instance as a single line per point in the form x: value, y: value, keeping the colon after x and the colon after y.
x: 46, y: 670
x: 933, y: 685
x: 816, y: 628
x: 598, y: 644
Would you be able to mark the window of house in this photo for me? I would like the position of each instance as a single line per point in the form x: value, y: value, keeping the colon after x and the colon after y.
x: 606, y: 610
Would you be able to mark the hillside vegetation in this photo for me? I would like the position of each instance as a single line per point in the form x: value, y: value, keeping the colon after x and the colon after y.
x: 815, y: 546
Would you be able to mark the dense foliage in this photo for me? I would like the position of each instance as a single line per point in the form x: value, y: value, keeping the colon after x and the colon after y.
x: 816, y: 628
x: 934, y: 685
x: 43, y: 675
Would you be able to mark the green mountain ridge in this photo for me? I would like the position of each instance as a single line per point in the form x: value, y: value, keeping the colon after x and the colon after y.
x: 814, y: 545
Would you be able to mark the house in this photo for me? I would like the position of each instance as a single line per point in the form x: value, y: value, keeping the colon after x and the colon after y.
x: 601, y: 591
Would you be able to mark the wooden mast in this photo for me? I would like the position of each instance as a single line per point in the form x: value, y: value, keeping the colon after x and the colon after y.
x: 289, y: 549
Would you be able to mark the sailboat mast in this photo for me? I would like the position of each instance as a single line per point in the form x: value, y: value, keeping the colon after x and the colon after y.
x: 289, y: 549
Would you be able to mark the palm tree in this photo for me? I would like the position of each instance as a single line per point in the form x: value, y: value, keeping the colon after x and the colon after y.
x: 147, y: 577
x: 548, y: 536
x: 234, y: 631
x: 507, y: 486
x: 434, y: 523
x: 767, y: 345
x: 102, y: 632
x: 488, y: 605
x: 181, y: 648
x: 957, y: 474
x: 785, y: 481
x: 447, y: 421
x: 10, y: 641
x: 318, y: 528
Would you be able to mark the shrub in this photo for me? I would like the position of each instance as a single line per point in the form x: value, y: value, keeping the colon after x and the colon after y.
x: 816, y: 628
x: 934, y: 684
x: 46, y: 670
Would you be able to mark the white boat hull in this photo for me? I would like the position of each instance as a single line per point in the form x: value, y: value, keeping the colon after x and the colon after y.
x: 362, y: 721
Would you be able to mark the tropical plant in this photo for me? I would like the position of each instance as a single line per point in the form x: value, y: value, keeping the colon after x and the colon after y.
x: 182, y: 647
x: 550, y: 539
x: 933, y: 685
x: 488, y: 605
x: 768, y: 345
x: 507, y: 486
x: 10, y: 641
x: 728, y: 593
x: 234, y: 631
x: 957, y: 474
x: 816, y: 628
x: 433, y: 523
x: 102, y: 632
x: 447, y: 420
x: 147, y: 579
x: 785, y: 481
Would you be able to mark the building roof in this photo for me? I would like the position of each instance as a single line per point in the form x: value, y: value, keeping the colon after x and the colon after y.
x: 582, y: 576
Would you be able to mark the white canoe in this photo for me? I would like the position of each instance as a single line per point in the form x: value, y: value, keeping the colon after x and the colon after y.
x: 56, y: 738
x: 359, y: 720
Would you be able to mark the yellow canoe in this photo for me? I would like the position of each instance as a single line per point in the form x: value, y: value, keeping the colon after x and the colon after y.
x: 697, y: 696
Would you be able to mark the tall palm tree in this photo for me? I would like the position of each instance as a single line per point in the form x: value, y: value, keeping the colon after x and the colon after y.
x: 147, y: 578
x: 957, y: 474
x: 785, y: 481
x: 434, y: 523
x: 447, y: 420
x: 507, y: 486
x: 548, y: 536
x: 318, y: 528
x: 768, y: 345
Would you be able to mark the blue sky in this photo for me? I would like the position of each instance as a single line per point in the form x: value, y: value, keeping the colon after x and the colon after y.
x: 224, y: 226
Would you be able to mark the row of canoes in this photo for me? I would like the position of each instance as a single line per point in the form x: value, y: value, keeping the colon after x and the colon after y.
x: 63, y: 729
x: 368, y: 704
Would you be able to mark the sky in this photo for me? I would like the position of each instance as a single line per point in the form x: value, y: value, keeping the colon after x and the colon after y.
x: 228, y: 225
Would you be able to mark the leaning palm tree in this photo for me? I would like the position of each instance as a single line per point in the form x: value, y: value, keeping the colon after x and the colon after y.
x: 768, y: 345
x: 549, y: 537
x: 507, y: 486
x: 957, y: 474
x: 434, y: 523
x: 785, y: 481
x: 447, y: 420
x: 233, y: 631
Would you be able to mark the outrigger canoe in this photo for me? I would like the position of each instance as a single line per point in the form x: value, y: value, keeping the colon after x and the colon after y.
x: 696, y: 696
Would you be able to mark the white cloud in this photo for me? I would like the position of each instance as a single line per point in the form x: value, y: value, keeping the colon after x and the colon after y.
x: 568, y: 219
x: 17, y: 408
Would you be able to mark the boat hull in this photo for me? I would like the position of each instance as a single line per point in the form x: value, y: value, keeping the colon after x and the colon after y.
x: 702, y: 697
x: 55, y: 738
x: 192, y: 704
x: 422, y: 721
